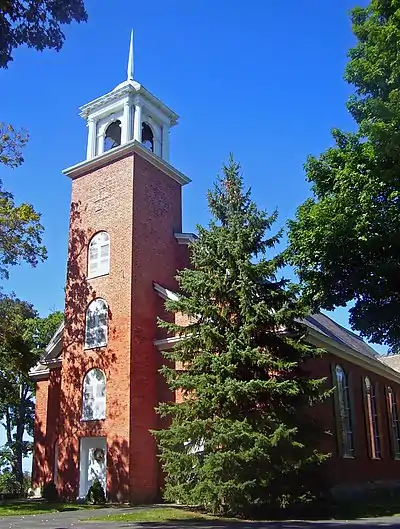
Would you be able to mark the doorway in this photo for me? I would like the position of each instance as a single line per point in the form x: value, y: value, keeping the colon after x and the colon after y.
x: 93, y: 463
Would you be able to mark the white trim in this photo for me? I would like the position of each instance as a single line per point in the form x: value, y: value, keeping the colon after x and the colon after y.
x: 353, y: 356
x: 126, y: 88
x: 165, y: 293
x: 315, y: 338
x: 55, y: 339
x: 95, y: 243
x: 98, y: 306
x: 119, y: 152
x: 39, y: 372
x: 185, y: 238
x: 167, y: 343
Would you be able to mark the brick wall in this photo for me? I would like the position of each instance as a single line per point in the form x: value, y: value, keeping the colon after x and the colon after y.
x: 46, y: 427
x: 362, y: 468
x: 101, y: 200
x: 156, y: 217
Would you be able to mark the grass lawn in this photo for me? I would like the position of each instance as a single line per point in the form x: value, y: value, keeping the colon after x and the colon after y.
x: 170, y: 514
x: 24, y: 508
x: 156, y: 514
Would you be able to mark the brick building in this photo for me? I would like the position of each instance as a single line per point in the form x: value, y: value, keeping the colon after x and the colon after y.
x: 98, y: 384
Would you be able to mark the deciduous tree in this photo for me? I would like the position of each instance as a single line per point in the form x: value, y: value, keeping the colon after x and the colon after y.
x: 20, y: 227
x: 345, y: 240
x: 35, y: 23
x: 24, y: 339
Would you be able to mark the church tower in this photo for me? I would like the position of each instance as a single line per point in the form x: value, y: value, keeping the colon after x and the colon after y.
x: 125, y: 236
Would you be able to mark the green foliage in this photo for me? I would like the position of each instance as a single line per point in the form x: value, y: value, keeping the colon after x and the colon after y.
x: 96, y: 494
x: 36, y: 24
x: 344, y: 242
x: 20, y: 228
x: 23, y: 338
x: 243, y: 438
x: 9, y: 483
x: 20, y: 234
x: 50, y: 492
x: 11, y: 144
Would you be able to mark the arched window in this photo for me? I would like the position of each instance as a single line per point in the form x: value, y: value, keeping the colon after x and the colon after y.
x: 394, y: 422
x: 96, y: 324
x: 99, y: 255
x: 94, y: 396
x: 112, y: 137
x: 147, y: 136
x: 345, y: 426
x: 372, y: 419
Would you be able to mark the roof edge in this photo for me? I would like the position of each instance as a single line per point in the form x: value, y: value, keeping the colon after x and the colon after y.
x: 81, y: 168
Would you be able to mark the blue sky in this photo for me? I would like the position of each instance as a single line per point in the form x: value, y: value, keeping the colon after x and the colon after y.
x: 261, y: 79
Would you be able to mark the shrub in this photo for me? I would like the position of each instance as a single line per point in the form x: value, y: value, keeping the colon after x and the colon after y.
x: 9, y: 484
x: 50, y: 492
x: 96, y: 494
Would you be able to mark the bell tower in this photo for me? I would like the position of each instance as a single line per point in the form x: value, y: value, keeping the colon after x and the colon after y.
x: 129, y: 112
x: 125, y: 235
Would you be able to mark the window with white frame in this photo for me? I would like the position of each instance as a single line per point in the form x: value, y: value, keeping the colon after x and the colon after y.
x: 99, y: 255
x: 345, y: 423
x: 372, y: 419
x: 94, y: 396
x: 394, y: 422
x: 96, y: 324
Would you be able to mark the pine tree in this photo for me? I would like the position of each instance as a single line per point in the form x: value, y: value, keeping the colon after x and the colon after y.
x: 242, y: 438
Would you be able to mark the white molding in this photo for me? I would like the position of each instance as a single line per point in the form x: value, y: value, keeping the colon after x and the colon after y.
x: 127, y: 88
x: 167, y: 343
x: 55, y: 339
x: 351, y: 355
x: 373, y: 364
x: 185, y: 238
x: 165, y: 293
x: 86, y: 166
x: 39, y: 372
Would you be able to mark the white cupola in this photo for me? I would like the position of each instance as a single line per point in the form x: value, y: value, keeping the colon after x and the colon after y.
x: 129, y: 112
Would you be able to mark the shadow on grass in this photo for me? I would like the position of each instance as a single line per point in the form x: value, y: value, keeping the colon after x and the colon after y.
x: 175, y: 518
x: 36, y: 507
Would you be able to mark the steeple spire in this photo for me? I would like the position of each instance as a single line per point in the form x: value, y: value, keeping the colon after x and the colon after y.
x: 130, y: 60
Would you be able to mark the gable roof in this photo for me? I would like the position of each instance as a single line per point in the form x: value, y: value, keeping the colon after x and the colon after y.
x: 323, y: 331
x: 323, y: 324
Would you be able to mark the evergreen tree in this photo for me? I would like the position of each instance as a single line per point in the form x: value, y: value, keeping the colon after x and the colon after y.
x: 243, y: 437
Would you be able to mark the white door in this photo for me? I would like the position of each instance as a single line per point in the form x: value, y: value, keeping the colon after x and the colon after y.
x: 93, y: 463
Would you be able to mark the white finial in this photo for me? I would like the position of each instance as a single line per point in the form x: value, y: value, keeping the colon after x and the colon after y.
x: 130, y: 60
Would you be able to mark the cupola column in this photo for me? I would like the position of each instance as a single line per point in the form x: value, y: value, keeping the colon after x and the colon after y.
x: 165, y: 143
x: 137, y: 133
x: 127, y: 123
x: 91, y: 145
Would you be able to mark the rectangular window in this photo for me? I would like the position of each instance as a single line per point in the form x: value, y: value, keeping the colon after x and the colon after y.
x: 344, y: 413
x: 372, y: 419
x: 394, y: 424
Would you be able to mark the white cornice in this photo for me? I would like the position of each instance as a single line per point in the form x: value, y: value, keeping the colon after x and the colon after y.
x: 125, y: 89
x: 119, y: 152
x: 353, y: 356
x: 165, y: 293
x: 42, y: 369
x: 167, y: 343
x: 39, y: 374
x: 314, y: 338
x: 185, y: 238
x: 55, y: 340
